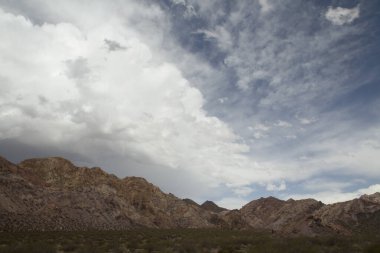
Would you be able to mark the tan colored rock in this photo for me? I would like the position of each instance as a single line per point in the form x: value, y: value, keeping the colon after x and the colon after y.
x: 343, y: 217
x: 53, y: 194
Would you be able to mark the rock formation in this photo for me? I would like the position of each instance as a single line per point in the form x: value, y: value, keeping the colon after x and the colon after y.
x: 53, y: 194
x: 212, y: 207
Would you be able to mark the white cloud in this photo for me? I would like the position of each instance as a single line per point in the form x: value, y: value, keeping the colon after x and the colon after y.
x: 281, y: 123
x: 342, y: 16
x: 291, y: 137
x: 183, y: 2
x: 219, y: 34
x: 261, y: 127
x: 259, y: 135
x: 127, y: 102
x: 223, y: 100
x: 265, y: 5
x: 231, y: 203
x: 66, y: 88
x: 259, y: 130
x: 243, y: 191
x: 305, y: 120
x: 273, y: 187
x: 334, y: 196
x: 190, y: 11
x: 323, y: 184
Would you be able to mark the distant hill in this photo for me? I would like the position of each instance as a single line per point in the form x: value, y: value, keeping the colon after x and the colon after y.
x: 48, y: 194
x: 212, y: 207
x: 191, y: 202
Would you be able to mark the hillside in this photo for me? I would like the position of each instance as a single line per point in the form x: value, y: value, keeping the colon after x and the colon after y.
x: 47, y: 194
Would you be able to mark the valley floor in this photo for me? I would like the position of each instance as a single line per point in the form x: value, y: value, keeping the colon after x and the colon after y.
x: 182, y: 240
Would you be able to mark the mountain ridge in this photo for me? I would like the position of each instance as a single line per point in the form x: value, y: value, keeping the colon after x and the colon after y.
x: 53, y: 194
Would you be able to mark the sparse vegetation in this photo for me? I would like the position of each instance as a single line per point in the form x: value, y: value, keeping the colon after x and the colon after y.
x: 183, y: 240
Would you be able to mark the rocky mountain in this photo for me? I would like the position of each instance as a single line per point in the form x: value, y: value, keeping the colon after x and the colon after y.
x: 212, y: 207
x: 291, y: 216
x: 344, y: 217
x: 53, y: 194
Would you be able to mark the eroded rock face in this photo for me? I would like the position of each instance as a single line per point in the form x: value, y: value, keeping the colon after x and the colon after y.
x: 291, y: 216
x: 344, y: 217
x: 53, y: 194
x: 212, y: 207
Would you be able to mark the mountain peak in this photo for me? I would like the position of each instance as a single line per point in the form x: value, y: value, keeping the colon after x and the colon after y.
x: 47, y: 163
x: 4, y: 163
x: 375, y: 197
x: 52, y: 193
x: 211, y: 206
x: 191, y: 202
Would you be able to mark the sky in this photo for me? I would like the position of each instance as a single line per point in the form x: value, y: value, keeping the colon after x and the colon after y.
x: 216, y: 100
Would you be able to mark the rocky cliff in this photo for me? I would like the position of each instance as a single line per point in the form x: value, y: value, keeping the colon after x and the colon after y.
x: 53, y: 194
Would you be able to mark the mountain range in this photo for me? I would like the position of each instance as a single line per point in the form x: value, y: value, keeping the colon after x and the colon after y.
x: 49, y: 194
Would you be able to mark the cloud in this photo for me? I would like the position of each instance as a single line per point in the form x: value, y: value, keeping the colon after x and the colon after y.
x: 223, y: 100
x: 334, y: 196
x: 77, y: 68
x: 259, y: 130
x: 114, y: 45
x: 325, y: 183
x: 189, y: 9
x: 281, y: 123
x: 243, y: 191
x: 265, y: 5
x: 306, y: 121
x: 273, y: 187
x: 342, y: 16
x: 212, y: 94
x: 118, y: 103
x: 231, y: 203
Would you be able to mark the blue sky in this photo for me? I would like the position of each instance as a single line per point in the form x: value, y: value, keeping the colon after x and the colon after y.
x: 221, y: 100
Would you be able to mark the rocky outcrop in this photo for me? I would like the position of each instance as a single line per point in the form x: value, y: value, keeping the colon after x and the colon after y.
x: 191, y: 202
x: 212, y: 207
x: 291, y: 216
x: 345, y: 217
x: 54, y: 194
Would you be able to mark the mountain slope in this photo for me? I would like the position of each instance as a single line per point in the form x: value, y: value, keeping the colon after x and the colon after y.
x: 212, y: 207
x: 53, y: 194
x: 345, y: 217
x: 291, y: 216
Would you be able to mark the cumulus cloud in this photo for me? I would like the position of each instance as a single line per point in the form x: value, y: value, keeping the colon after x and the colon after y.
x: 333, y: 196
x: 189, y: 9
x: 342, y: 16
x: 231, y: 203
x: 281, y: 123
x: 243, y: 191
x: 214, y: 95
x: 113, y: 45
x: 265, y: 5
x: 273, y: 187
x: 102, y: 99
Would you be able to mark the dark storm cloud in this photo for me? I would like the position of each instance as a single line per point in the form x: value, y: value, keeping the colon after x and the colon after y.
x: 17, y: 151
